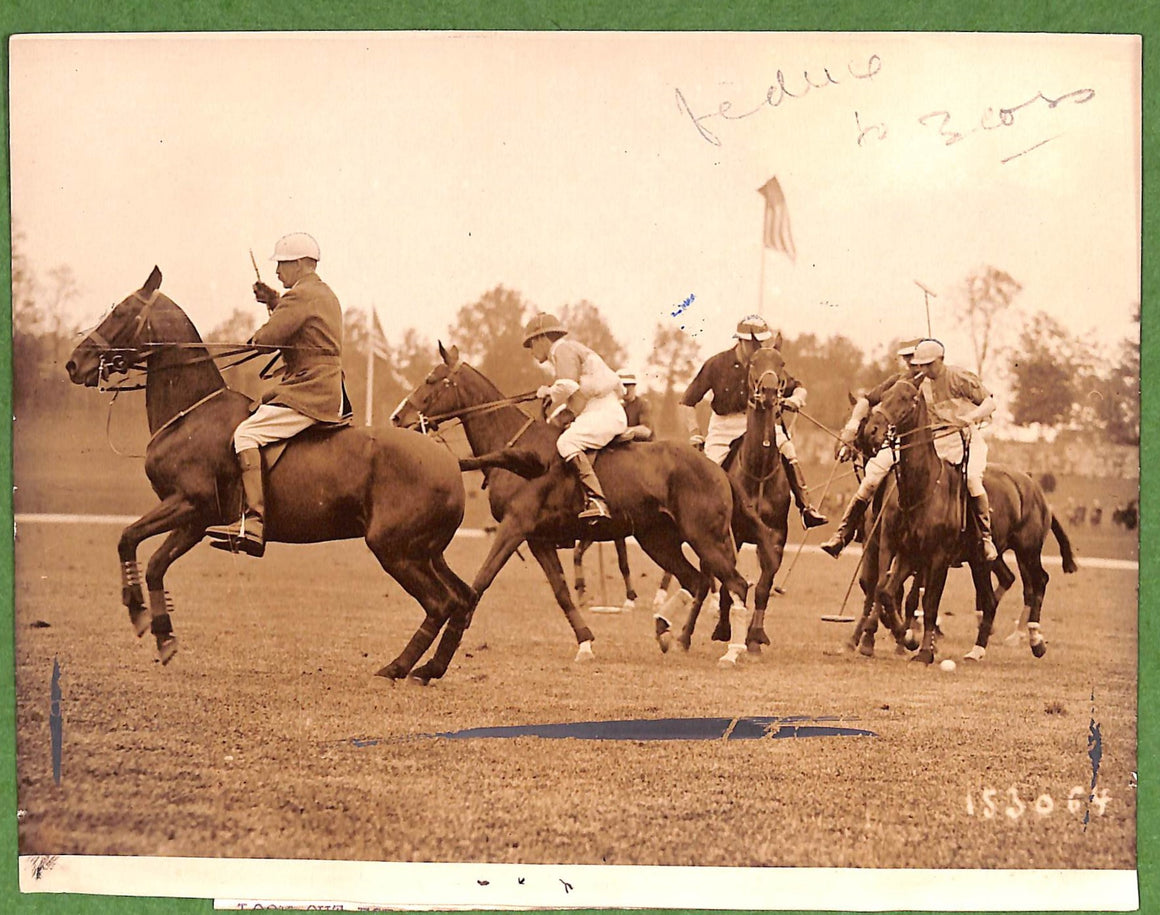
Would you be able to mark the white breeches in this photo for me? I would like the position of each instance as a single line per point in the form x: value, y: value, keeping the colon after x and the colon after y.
x: 601, y: 420
x: 269, y: 423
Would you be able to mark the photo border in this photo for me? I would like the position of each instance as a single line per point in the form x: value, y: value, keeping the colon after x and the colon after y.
x: 1102, y: 16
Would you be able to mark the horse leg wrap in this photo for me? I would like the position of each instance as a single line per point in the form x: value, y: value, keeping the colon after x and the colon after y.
x: 132, y: 597
x: 1038, y: 643
x: 738, y: 618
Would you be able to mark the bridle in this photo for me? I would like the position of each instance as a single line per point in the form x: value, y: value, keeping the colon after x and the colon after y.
x: 427, y: 423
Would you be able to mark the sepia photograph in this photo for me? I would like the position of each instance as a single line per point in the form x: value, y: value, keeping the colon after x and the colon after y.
x: 577, y: 469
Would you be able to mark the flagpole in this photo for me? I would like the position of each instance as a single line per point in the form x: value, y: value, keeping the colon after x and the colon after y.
x: 371, y: 368
x: 761, y: 289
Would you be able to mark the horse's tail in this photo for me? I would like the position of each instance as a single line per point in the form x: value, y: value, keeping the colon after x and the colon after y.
x: 1065, y: 551
x: 520, y: 461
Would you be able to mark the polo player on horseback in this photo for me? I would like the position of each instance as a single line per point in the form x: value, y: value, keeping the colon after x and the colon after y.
x: 878, y: 466
x: 958, y: 402
x: 591, y: 390
x: 725, y: 374
x: 305, y: 326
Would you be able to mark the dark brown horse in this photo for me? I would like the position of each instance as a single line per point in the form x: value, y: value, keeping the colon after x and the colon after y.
x: 402, y: 493
x: 760, y: 492
x: 662, y: 493
x: 923, y: 529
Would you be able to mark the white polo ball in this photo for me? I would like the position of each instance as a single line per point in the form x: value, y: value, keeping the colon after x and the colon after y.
x: 948, y: 665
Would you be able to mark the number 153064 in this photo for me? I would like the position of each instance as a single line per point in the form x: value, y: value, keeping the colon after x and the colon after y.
x: 990, y: 803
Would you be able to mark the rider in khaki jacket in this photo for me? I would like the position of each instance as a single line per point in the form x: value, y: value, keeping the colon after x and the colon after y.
x: 305, y: 326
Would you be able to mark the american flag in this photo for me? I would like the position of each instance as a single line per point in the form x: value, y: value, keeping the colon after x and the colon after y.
x: 777, y: 234
x: 379, y: 346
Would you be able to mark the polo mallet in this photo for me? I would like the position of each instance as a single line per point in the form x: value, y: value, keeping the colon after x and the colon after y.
x: 780, y: 589
x: 926, y: 294
x: 257, y: 272
x: 857, y: 569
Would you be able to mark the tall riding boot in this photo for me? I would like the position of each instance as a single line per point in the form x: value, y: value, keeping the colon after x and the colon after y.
x: 847, y: 527
x: 797, y: 483
x: 595, y: 507
x: 247, y: 535
x: 982, y: 508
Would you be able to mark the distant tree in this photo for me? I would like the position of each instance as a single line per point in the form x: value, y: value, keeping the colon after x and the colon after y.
x: 414, y: 357
x: 828, y: 370
x: 1044, y: 370
x: 1114, y: 395
x: 237, y: 328
x: 673, y: 360
x: 988, y: 296
x: 490, y: 334
x: 586, y: 324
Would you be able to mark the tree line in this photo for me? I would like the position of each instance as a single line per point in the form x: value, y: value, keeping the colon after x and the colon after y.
x: 1055, y: 378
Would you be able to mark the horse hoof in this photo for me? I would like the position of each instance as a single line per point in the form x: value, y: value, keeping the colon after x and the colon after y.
x: 392, y: 671
x: 730, y: 658
x: 723, y: 631
x: 629, y: 604
x: 756, y: 637
x: 141, y: 621
x: 166, y: 649
x: 664, y: 634
x: 866, y: 650
x: 1039, y: 649
x: 684, y: 641
x: 925, y: 656
x: 977, y: 653
x: 901, y: 650
x: 754, y: 648
x: 584, y: 652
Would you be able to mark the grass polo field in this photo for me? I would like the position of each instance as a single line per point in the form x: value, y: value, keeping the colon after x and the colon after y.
x: 269, y: 736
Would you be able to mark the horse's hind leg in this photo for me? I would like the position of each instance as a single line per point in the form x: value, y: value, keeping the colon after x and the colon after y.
x: 662, y: 544
x: 625, y: 573
x: 1035, y: 580
x: 456, y: 626
x: 549, y: 561
x: 985, y: 602
x: 578, y: 582
x: 418, y: 579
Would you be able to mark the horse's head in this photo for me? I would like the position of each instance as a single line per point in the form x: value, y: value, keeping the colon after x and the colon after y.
x: 765, y: 379
x: 439, y: 393
x: 894, y: 415
x: 125, y: 336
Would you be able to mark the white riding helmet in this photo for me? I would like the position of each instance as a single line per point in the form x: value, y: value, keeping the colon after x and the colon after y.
x: 295, y: 246
x: 908, y: 348
x: 753, y: 327
x: 626, y: 377
x: 927, y: 352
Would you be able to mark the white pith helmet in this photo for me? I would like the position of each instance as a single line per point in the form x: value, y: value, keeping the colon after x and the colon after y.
x: 753, y: 327
x: 927, y: 352
x: 295, y: 246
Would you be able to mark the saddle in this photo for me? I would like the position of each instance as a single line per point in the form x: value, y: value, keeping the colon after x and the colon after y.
x: 273, y: 451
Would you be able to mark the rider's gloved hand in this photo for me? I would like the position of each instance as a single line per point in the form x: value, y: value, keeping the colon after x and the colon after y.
x: 265, y: 294
x: 844, y: 450
x: 789, y: 405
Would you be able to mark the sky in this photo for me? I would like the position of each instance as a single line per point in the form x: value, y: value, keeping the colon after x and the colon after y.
x: 618, y: 168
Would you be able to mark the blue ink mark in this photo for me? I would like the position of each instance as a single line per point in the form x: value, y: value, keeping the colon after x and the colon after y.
x: 685, y: 304
x: 55, y: 722
x: 1095, y: 753
x: 757, y: 728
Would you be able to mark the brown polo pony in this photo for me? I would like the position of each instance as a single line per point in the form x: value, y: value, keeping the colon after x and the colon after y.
x: 923, y: 529
x: 662, y: 493
x: 402, y: 493
x: 760, y: 492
